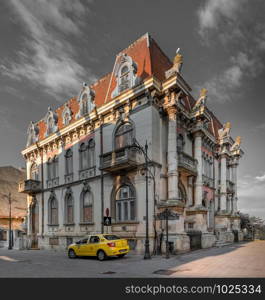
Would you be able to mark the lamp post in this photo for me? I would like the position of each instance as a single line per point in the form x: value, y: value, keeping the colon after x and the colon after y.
x: 144, y: 150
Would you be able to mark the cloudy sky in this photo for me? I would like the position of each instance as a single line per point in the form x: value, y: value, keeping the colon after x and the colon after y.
x: 49, y: 47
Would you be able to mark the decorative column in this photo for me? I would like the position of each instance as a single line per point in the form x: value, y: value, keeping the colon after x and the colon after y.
x: 229, y: 203
x: 216, y: 179
x: 198, y: 156
x: 235, y: 185
x: 172, y: 158
x: 223, y: 189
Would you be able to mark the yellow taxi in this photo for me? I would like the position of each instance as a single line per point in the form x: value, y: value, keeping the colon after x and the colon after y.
x: 99, y: 245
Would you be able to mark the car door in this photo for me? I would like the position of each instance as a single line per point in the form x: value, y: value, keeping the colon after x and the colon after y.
x: 83, y: 247
x: 94, y: 244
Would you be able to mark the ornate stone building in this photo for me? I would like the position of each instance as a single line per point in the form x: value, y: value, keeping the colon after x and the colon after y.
x: 80, y: 160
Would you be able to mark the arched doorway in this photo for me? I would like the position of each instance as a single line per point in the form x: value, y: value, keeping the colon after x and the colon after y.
x: 34, y: 223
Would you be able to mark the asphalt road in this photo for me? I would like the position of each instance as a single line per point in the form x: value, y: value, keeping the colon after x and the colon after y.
x: 245, y: 259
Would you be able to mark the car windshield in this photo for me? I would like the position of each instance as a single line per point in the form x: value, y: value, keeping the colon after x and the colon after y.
x: 111, y: 237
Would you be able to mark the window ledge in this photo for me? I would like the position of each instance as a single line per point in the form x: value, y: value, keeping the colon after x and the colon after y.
x: 53, y: 224
x: 87, y: 223
x: 69, y: 224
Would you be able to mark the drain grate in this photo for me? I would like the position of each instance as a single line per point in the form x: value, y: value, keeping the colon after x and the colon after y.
x: 164, y: 272
x: 108, y: 272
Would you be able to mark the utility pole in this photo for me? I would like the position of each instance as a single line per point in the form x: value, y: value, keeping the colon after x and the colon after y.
x: 10, y: 223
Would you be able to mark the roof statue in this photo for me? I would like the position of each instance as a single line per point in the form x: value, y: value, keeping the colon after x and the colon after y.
x: 225, y: 131
x: 202, y: 99
x: 236, y: 144
x: 178, y: 61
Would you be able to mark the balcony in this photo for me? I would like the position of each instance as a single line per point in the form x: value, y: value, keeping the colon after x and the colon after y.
x: 123, y: 158
x: 187, y: 163
x: 29, y: 186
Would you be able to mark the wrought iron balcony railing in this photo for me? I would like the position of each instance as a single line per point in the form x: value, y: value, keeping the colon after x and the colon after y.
x: 29, y: 186
x: 123, y: 158
x: 187, y: 163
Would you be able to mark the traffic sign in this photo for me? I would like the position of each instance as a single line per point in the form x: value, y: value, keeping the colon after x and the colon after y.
x: 107, y: 212
x: 107, y: 221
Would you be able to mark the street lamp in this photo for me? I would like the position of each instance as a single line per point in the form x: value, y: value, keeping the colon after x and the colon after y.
x: 144, y: 150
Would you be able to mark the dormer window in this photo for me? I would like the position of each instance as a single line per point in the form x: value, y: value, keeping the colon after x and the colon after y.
x: 125, y: 73
x: 66, y: 115
x: 124, y: 79
x: 86, y: 100
x: 84, y: 104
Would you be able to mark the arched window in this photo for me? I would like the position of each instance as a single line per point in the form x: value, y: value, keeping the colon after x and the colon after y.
x: 86, y: 207
x: 124, y: 80
x: 69, y: 162
x: 123, y: 135
x: 69, y: 208
x: 91, y: 153
x: 53, y: 210
x: 34, y: 172
x: 83, y: 151
x: 125, y: 204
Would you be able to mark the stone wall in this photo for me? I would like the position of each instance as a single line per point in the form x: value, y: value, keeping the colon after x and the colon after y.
x: 208, y: 240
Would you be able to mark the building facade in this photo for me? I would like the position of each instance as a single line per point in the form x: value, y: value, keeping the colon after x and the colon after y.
x: 82, y: 160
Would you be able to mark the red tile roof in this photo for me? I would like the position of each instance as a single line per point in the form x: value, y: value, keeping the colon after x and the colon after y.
x: 150, y: 60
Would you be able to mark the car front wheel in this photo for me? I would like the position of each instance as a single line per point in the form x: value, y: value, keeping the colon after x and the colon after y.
x: 101, y: 255
x: 71, y: 253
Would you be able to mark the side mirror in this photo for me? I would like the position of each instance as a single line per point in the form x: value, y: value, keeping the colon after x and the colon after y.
x: 79, y: 242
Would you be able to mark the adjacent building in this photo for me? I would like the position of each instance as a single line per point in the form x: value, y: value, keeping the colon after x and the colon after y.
x: 13, y: 207
x: 83, y: 160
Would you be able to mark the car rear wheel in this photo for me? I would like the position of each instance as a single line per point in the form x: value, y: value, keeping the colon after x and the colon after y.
x: 101, y: 255
x: 71, y: 254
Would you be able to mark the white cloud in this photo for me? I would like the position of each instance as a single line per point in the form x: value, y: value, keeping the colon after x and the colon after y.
x: 222, y: 86
x: 261, y: 178
x: 215, y: 11
x: 47, y: 59
x: 251, y: 195
x: 240, y: 28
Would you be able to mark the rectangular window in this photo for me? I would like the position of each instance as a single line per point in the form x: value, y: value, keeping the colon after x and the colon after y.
x: 125, y: 210
x: 132, y: 208
x: 119, y: 211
